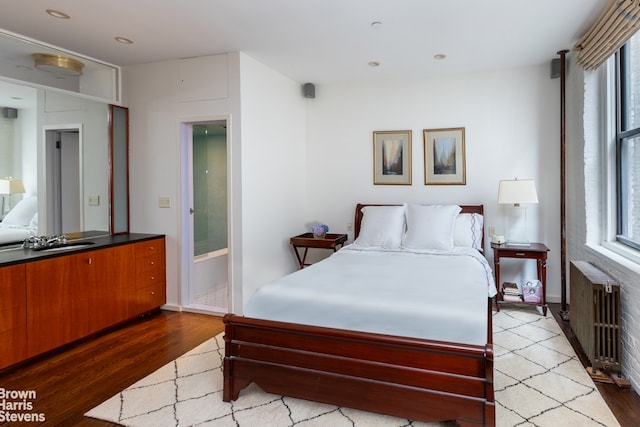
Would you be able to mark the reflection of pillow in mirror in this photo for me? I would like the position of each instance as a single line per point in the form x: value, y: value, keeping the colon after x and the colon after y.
x: 23, y: 212
x: 34, y: 222
x: 468, y: 230
x: 381, y: 226
x: 430, y: 226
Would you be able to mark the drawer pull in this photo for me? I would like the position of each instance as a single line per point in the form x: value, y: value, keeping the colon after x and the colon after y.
x: 519, y: 253
x: 152, y: 263
x: 153, y: 293
x: 152, y: 278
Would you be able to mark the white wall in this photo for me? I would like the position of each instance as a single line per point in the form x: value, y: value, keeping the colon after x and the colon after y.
x: 274, y: 179
x: 266, y: 169
x: 511, y: 119
x: 586, y: 203
x: 160, y: 97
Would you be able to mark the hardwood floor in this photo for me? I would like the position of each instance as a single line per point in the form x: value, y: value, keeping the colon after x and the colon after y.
x: 73, y: 380
x: 624, y: 402
x: 77, y: 378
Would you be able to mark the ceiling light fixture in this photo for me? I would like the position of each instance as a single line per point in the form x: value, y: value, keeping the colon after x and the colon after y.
x: 439, y: 56
x: 376, y: 24
x: 57, y: 64
x: 58, y: 14
x: 374, y: 64
x: 123, y: 40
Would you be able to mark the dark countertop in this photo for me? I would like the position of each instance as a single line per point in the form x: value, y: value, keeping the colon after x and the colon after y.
x: 10, y: 255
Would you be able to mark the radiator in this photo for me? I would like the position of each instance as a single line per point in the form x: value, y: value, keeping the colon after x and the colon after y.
x: 595, y: 314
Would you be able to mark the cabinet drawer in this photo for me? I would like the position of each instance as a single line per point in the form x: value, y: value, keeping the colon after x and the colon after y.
x: 150, y: 297
x: 150, y: 247
x: 149, y: 277
x: 150, y: 262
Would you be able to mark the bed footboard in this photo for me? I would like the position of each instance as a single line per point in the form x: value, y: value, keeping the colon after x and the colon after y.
x: 404, y: 377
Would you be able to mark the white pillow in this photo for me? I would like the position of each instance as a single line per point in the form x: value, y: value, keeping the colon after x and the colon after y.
x: 23, y: 212
x: 430, y: 226
x: 468, y: 230
x: 34, y: 222
x: 381, y: 226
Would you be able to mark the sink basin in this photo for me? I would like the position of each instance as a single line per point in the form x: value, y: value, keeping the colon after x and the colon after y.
x: 65, y: 246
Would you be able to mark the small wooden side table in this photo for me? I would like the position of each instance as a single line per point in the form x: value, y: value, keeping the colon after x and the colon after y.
x: 537, y: 251
x: 306, y: 241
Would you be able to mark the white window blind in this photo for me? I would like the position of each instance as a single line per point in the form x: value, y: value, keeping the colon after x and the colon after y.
x: 616, y: 24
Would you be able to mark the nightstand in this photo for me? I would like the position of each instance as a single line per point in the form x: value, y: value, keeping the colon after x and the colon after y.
x: 306, y: 241
x: 535, y: 251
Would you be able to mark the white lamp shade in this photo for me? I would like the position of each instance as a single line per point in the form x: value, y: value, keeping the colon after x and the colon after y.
x: 11, y: 186
x: 517, y: 191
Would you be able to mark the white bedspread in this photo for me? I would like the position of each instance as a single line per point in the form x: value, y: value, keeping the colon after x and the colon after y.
x: 431, y: 295
x: 14, y: 233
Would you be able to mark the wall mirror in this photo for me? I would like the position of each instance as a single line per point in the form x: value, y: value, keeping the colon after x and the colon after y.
x: 40, y: 110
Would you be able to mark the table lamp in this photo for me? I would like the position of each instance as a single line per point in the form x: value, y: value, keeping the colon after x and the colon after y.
x: 518, y: 192
x: 9, y: 186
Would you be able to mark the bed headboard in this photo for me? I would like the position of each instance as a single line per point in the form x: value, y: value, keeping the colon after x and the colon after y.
x: 479, y: 209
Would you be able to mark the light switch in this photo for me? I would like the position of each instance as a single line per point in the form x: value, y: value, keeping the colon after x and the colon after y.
x: 94, y: 200
x: 164, y: 201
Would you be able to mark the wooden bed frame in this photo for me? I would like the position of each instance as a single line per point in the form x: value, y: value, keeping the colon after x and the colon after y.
x: 406, y: 377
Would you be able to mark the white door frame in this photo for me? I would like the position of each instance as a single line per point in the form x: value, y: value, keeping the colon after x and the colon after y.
x: 186, y: 206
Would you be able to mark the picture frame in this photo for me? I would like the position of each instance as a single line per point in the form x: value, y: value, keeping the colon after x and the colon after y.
x: 392, y: 157
x: 444, y: 157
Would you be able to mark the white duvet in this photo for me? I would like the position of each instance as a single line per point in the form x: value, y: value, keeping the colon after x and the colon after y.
x: 14, y: 233
x: 421, y: 294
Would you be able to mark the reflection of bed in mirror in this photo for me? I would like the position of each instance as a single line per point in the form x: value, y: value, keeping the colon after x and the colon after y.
x: 20, y: 222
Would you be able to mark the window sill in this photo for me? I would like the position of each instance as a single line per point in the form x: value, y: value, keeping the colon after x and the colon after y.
x: 620, y: 254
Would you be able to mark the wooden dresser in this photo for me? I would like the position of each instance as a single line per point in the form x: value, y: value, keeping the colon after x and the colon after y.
x: 51, y: 300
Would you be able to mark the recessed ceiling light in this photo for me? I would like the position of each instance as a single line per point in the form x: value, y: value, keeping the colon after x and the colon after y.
x: 439, y: 56
x: 374, y: 64
x: 123, y: 40
x: 58, y: 14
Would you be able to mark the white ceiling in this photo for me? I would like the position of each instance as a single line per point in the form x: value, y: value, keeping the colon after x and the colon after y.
x: 317, y: 41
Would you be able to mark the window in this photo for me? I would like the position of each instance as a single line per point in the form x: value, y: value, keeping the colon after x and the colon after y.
x: 628, y: 143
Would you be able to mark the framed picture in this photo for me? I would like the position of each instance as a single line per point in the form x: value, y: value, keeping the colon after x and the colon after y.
x: 392, y: 157
x: 444, y: 157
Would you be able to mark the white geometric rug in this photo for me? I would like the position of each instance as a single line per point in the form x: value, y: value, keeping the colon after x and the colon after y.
x: 538, y: 381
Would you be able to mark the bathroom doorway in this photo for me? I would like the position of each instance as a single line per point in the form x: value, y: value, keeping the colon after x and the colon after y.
x: 205, y: 208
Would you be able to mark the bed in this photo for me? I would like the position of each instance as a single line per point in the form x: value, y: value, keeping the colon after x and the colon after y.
x: 371, y: 352
x: 20, y: 222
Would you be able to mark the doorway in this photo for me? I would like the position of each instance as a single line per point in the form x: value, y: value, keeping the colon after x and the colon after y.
x: 63, y: 187
x: 205, y: 207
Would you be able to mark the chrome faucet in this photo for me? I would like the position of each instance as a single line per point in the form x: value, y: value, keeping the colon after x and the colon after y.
x: 35, y: 242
